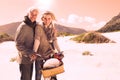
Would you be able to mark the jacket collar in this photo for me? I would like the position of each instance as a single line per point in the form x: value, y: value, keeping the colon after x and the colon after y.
x: 29, y: 22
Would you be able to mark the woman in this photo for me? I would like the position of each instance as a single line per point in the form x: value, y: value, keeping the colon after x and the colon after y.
x: 50, y: 31
x: 42, y: 49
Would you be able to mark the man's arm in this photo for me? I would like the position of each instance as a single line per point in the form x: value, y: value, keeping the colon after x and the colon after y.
x: 20, y: 42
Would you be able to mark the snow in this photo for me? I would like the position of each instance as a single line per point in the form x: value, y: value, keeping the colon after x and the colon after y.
x: 103, y: 65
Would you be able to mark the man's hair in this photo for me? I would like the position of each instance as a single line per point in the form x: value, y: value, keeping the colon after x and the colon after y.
x: 31, y: 9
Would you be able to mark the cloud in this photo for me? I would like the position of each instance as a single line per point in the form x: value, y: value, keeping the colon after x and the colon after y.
x: 99, y: 24
x: 72, y: 19
x: 89, y: 19
x: 95, y: 26
x: 85, y: 22
x: 62, y: 20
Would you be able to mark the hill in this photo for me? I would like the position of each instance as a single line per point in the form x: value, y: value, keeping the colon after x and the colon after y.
x: 11, y: 28
x: 91, y: 37
x: 112, y: 25
x: 5, y: 37
x: 67, y: 29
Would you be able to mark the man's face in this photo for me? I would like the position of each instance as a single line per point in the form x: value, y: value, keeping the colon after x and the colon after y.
x: 33, y: 15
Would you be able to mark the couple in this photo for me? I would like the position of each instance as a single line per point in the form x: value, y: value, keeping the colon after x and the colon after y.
x: 32, y: 38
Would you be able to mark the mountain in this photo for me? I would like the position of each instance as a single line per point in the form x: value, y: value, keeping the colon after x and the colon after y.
x: 112, y: 25
x: 11, y: 29
x: 67, y: 29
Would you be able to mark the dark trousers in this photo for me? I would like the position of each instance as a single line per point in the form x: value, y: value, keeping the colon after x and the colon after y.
x: 26, y: 71
x: 38, y: 67
x: 54, y: 78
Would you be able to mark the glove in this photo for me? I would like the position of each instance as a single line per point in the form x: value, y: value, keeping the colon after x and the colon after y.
x: 59, y: 55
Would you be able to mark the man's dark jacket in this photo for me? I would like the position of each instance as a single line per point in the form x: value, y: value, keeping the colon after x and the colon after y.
x: 24, y: 39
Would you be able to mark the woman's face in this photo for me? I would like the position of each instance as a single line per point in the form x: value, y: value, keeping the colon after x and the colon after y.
x: 47, y: 19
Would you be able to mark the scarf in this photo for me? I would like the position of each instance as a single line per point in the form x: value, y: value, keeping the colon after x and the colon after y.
x: 29, y: 23
x: 50, y: 31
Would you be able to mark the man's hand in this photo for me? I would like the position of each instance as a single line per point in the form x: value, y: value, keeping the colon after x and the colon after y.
x: 33, y: 57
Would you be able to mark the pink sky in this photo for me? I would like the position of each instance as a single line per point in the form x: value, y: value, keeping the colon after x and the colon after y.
x: 66, y: 11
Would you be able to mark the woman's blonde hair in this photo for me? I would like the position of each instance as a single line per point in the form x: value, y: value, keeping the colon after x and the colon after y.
x: 48, y: 13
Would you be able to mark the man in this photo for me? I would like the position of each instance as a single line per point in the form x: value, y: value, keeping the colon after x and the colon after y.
x: 48, y: 26
x: 24, y: 39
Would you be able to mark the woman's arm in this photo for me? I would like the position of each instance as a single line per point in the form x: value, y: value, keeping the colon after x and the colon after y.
x: 36, y: 45
x: 55, y: 43
x: 37, y: 38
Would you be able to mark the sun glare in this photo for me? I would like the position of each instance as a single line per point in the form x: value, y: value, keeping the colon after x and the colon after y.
x: 45, y: 4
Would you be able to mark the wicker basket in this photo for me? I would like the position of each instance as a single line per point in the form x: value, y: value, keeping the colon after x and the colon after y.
x: 53, y: 71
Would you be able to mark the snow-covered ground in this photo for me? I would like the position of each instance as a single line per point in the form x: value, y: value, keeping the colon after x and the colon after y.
x: 103, y: 65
